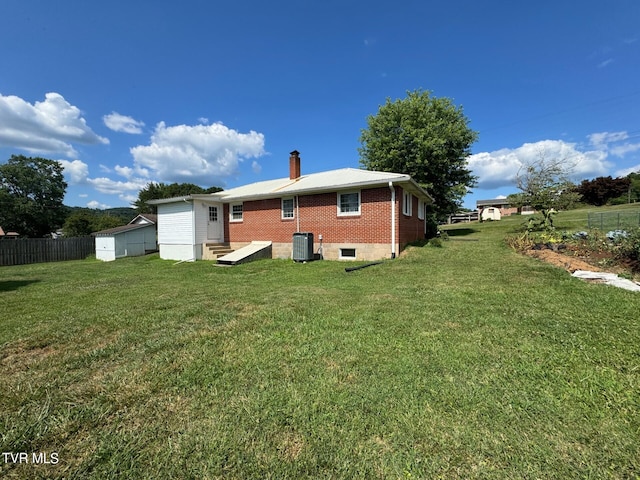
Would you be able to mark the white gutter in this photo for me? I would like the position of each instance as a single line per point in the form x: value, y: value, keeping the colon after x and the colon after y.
x: 193, y: 230
x: 393, y: 220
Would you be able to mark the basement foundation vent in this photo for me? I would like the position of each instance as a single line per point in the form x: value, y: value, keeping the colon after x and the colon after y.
x: 348, y: 253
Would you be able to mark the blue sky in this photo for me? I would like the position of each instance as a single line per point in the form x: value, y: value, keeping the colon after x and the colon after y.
x: 213, y: 93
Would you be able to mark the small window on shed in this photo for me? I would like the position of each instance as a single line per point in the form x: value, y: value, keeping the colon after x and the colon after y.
x: 348, y: 253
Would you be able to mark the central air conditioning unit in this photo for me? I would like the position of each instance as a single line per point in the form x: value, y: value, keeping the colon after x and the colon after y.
x: 302, y: 247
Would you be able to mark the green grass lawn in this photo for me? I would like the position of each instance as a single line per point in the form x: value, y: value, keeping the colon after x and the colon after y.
x: 466, y: 361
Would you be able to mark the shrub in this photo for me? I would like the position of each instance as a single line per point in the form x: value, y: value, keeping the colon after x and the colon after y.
x: 519, y: 242
x: 431, y: 228
x: 627, y: 247
x: 435, y: 242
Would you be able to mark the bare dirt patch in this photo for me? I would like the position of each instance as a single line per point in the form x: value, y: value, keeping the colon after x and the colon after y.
x: 598, y: 262
x: 291, y: 446
x: 22, y: 355
x: 566, y: 262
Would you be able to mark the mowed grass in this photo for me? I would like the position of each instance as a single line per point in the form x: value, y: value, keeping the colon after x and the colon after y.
x: 466, y: 361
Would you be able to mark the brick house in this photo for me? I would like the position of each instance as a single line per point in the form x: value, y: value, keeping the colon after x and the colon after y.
x: 352, y: 213
x: 503, y: 207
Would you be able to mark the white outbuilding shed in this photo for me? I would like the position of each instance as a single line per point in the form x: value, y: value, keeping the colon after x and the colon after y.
x: 136, y: 238
x: 490, y: 213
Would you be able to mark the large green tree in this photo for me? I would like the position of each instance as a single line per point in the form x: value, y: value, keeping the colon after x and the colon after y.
x: 155, y: 191
x: 601, y: 190
x: 632, y: 195
x: 85, y: 222
x: 31, y: 195
x: 426, y: 137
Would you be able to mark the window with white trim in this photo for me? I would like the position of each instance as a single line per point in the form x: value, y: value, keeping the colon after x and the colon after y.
x: 287, y: 209
x: 421, y: 208
x: 235, y: 212
x: 348, y: 203
x: 407, y: 200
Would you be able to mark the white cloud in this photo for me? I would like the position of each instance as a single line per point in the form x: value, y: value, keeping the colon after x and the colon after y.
x: 605, y: 63
x: 622, y: 150
x: 129, y: 198
x: 126, y: 172
x: 603, y: 139
x: 204, y: 154
x: 75, y: 172
x: 122, y: 123
x: 114, y: 187
x: 256, y: 167
x: 495, y: 169
x: 626, y: 171
x: 50, y: 126
x: 98, y: 205
x: 499, y: 168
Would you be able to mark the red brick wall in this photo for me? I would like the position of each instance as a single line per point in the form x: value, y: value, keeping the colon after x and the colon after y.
x: 411, y: 228
x: 506, y: 211
x: 318, y: 214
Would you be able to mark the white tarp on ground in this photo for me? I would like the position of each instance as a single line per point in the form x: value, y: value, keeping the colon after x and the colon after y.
x: 607, y: 278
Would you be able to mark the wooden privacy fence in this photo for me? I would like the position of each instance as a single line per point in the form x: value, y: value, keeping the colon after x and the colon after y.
x: 36, y: 250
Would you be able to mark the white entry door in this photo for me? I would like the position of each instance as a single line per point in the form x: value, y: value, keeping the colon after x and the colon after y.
x: 214, y: 224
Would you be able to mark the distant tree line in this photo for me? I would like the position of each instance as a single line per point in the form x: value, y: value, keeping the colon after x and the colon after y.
x: 85, y: 221
x: 32, y: 191
x: 156, y: 191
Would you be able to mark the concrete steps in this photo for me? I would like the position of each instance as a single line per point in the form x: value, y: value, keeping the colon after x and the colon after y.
x: 218, y: 250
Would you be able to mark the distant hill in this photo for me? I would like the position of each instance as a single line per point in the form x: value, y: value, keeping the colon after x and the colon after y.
x: 125, y: 214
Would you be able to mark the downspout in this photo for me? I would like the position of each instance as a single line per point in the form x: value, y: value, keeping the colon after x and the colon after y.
x: 193, y: 230
x: 393, y: 220
x: 297, y: 215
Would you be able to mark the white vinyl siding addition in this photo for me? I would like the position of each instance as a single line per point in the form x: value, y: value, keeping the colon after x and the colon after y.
x: 175, y: 224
